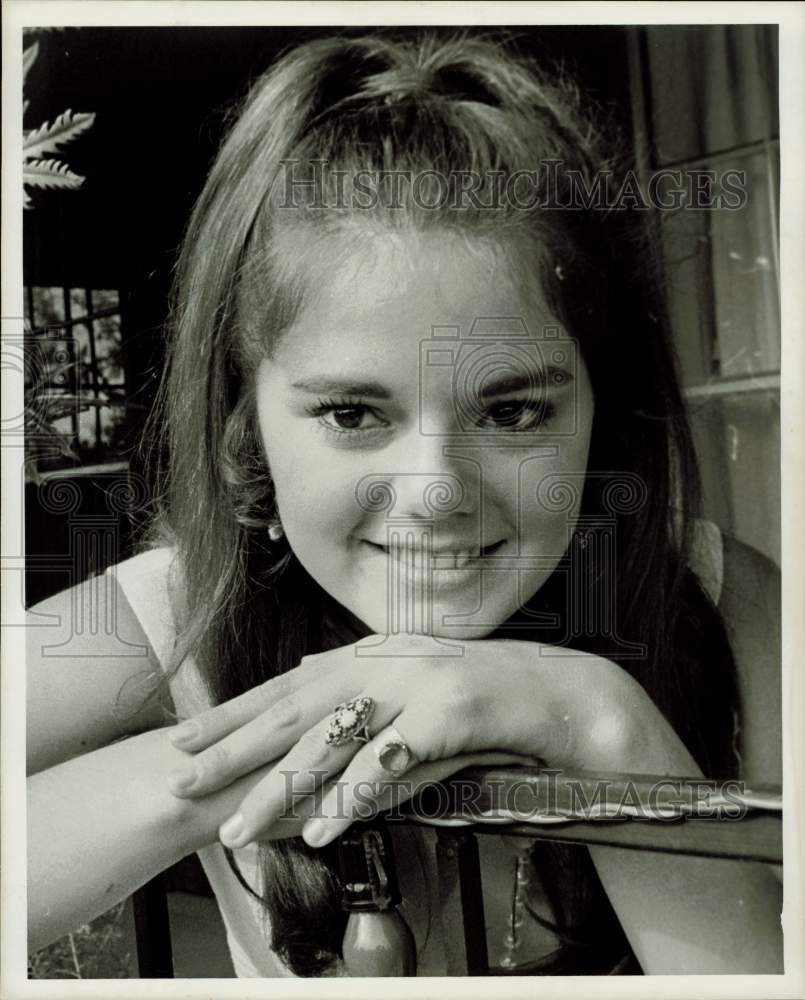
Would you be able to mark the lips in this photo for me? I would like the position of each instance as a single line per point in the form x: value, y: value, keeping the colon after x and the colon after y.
x: 445, y: 557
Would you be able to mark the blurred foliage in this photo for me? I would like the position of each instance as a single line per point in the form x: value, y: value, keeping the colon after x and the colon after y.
x: 74, y: 392
x: 98, y: 950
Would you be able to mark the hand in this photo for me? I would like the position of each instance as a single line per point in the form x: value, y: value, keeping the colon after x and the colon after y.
x: 519, y: 700
x: 291, y: 712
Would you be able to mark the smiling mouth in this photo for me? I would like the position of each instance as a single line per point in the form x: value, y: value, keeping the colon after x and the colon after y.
x: 441, y: 559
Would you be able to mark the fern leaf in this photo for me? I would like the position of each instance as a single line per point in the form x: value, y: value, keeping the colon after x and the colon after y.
x: 50, y: 135
x: 49, y: 174
x: 29, y: 58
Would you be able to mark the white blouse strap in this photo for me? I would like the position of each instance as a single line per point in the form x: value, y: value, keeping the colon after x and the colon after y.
x: 144, y: 579
x: 707, y: 557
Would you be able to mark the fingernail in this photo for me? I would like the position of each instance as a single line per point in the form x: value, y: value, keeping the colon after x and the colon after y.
x: 315, y: 832
x: 181, y: 778
x: 184, y: 733
x: 231, y: 833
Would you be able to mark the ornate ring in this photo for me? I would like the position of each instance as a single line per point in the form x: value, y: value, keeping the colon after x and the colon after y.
x: 349, y: 722
x: 393, y: 753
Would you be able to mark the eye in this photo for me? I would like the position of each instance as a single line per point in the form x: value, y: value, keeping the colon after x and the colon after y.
x: 346, y: 417
x: 518, y: 414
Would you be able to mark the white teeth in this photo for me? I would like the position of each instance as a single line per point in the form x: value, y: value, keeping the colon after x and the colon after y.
x: 455, y: 560
x: 439, y: 559
x: 447, y: 560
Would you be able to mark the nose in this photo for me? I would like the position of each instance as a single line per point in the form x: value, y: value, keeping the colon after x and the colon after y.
x: 425, y: 478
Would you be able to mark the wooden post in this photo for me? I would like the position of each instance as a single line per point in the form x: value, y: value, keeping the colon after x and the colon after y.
x: 462, y: 904
x: 152, y: 926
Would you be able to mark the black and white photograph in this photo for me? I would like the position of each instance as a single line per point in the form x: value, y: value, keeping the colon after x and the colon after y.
x: 400, y: 440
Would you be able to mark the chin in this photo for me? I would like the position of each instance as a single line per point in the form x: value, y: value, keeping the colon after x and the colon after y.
x: 437, y: 621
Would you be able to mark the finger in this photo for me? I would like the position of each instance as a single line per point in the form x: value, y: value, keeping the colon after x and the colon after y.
x: 366, y: 782
x: 290, y: 824
x: 424, y: 737
x: 367, y: 787
x: 214, y: 723
x: 261, y: 740
x: 312, y: 760
x: 289, y: 783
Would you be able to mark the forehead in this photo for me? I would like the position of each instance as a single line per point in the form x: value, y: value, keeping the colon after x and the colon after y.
x: 373, y: 296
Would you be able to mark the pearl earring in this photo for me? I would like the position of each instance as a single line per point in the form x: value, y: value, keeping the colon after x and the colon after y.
x: 276, y: 530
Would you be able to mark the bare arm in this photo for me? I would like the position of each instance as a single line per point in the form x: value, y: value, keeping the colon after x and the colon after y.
x: 91, y: 676
x: 91, y: 837
x: 101, y: 825
x: 98, y: 828
x: 101, y: 821
x: 694, y: 915
x: 715, y: 915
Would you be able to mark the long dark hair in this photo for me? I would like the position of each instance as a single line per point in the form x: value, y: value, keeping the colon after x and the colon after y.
x: 448, y: 106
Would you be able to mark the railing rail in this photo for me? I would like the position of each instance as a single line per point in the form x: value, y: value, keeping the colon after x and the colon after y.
x: 721, y: 819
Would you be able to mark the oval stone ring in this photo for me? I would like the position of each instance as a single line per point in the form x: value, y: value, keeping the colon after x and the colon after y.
x: 393, y: 753
x: 350, y: 722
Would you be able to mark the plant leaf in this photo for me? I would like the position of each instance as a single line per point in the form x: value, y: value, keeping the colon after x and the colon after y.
x: 49, y: 174
x: 50, y: 135
x: 29, y: 58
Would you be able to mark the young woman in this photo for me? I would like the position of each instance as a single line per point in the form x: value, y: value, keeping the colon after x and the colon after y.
x: 421, y: 402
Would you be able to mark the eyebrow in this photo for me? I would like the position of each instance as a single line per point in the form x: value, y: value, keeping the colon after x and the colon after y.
x: 375, y: 390
x: 343, y: 387
x: 520, y: 383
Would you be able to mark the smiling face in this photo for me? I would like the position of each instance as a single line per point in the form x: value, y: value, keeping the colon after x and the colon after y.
x: 418, y: 416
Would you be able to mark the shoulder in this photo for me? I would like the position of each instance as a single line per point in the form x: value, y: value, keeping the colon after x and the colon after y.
x: 750, y: 605
x: 153, y: 568
x: 151, y: 583
x: 750, y: 578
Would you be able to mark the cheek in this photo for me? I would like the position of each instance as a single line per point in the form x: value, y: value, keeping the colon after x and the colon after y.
x: 315, y: 500
x: 314, y: 503
x: 550, y: 493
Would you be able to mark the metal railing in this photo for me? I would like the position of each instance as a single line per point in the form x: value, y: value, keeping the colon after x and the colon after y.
x: 718, y: 819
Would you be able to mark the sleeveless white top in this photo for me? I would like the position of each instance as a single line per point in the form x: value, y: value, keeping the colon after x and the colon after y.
x: 144, y: 580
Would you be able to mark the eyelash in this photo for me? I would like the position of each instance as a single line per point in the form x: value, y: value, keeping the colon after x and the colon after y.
x: 542, y: 413
x: 322, y: 407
